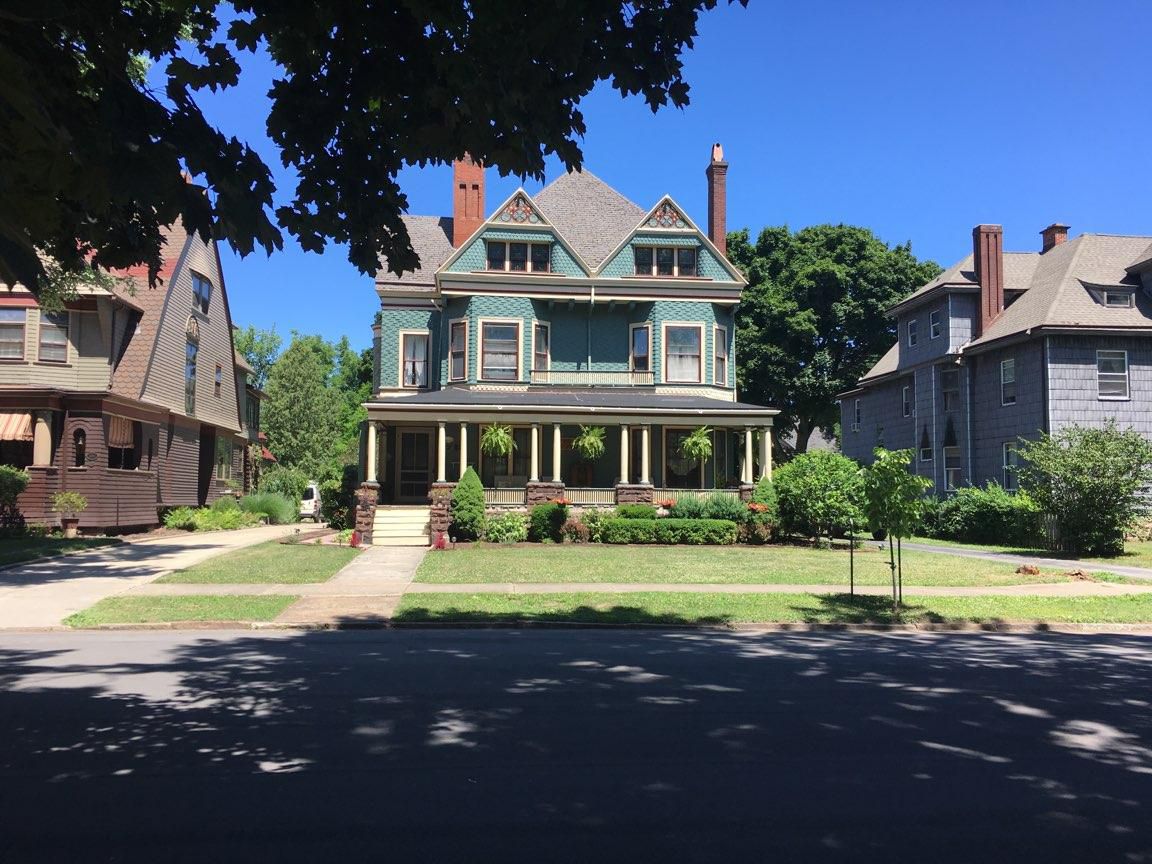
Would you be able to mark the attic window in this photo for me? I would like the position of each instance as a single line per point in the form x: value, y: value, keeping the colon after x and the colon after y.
x: 519, y: 257
x: 665, y: 261
x: 1118, y: 299
x: 201, y: 293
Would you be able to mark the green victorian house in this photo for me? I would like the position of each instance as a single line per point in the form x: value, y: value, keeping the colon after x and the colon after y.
x: 571, y: 308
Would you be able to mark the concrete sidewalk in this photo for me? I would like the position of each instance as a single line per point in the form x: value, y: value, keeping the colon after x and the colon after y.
x: 41, y: 594
x: 368, y: 588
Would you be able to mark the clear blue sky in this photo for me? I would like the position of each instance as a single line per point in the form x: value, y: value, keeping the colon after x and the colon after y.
x: 917, y: 120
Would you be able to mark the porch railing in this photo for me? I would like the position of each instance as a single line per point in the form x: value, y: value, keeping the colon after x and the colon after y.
x: 592, y: 378
x: 504, y: 497
x: 663, y: 494
x: 591, y: 497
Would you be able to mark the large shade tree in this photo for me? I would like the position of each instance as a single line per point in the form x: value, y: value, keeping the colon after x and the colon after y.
x: 93, y: 160
x: 811, y: 320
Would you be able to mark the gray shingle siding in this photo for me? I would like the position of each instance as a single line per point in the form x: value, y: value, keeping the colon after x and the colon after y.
x: 995, y: 423
x: 1072, y: 382
x: 882, y: 423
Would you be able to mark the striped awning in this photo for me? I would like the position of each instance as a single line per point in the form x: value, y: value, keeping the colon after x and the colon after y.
x: 120, y: 432
x: 16, y: 427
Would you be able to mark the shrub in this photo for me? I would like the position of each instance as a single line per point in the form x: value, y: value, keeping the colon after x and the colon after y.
x: 575, y: 531
x: 819, y: 494
x: 181, y: 519
x: 207, y: 519
x: 467, y: 507
x: 225, y: 502
x: 695, y: 532
x: 765, y: 494
x: 1091, y: 481
x: 506, y: 528
x: 990, y: 515
x: 338, y: 498
x: 289, y: 482
x: 545, y: 522
x: 721, y: 506
x: 279, y: 509
x: 930, y: 517
x: 13, y: 481
x: 688, y: 507
x: 635, y: 511
x: 763, y: 517
x: 593, y: 520
x: 69, y: 502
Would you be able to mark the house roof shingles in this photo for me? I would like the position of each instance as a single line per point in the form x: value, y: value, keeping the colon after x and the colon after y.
x: 431, y: 238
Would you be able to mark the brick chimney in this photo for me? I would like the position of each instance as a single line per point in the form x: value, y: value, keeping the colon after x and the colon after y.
x: 717, y: 174
x: 1053, y: 235
x: 467, y: 198
x: 988, y: 254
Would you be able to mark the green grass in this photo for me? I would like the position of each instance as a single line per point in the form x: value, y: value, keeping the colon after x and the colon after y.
x: 778, y: 565
x: 149, y: 610
x: 16, y: 549
x: 683, y: 608
x: 284, y: 563
x: 1136, y: 553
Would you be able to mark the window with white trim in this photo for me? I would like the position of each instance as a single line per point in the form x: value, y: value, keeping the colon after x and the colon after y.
x: 720, y: 357
x: 201, y: 293
x: 934, y: 328
x: 913, y: 328
x: 54, y: 337
x: 12, y: 323
x: 1008, y: 381
x: 1112, y: 374
x: 1011, y: 463
x: 907, y: 399
x: 856, y: 416
x: 683, y: 354
x: 458, y: 351
x: 953, y: 471
x: 541, y: 346
x: 515, y: 257
x: 640, y: 349
x: 1118, y: 299
x: 950, y: 389
x: 500, y: 351
x: 414, y: 372
x: 666, y: 261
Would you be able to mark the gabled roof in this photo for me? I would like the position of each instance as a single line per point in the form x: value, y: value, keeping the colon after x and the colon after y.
x: 886, y: 365
x: 591, y: 215
x: 1018, y: 270
x: 431, y: 238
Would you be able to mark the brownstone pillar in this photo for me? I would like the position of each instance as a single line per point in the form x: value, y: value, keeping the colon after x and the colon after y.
x: 366, y: 497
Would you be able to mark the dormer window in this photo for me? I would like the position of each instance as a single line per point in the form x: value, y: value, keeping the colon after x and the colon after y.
x: 519, y: 257
x: 665, y: 261
x: 1118, y: 299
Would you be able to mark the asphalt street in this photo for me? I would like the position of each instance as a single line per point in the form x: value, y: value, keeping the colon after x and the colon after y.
x: 577, y: 745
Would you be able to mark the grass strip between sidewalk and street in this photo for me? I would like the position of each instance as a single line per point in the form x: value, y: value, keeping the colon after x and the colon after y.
x: 208, y: 607
x: 271, y: 562
x: 15, y: 550
x: 682, y: 608
x: 729, y: 565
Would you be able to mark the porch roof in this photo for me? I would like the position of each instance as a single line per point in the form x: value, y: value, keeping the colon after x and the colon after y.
x: 614, y: 404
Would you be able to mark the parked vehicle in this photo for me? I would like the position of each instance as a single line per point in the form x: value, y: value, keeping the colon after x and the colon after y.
x: 310, y: 502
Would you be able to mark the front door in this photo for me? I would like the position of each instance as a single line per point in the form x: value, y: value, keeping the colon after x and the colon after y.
x: 414, y: 465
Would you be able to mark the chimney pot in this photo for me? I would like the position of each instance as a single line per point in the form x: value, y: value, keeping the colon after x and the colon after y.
x: 1053, y: 235
x: 988, y: 257
x: 717, y: 174
x: 467, y: 198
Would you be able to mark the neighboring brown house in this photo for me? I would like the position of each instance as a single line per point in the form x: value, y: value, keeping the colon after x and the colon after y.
x: 131, y: 396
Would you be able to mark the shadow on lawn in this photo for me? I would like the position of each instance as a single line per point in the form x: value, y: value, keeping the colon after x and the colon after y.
x: 618, y: 615
x: 877, y: 609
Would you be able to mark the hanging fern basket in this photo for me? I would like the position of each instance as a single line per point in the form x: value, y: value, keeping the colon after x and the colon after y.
x: 497, y: 440
x: 589, y: 444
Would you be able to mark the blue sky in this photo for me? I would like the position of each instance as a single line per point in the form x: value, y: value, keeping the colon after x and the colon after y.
x: 917, y: 120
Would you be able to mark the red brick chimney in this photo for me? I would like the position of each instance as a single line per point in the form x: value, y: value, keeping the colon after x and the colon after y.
x: 988, y: 254
x: 467, y: 198
x: 1053, y: 235
x: 717, y: 174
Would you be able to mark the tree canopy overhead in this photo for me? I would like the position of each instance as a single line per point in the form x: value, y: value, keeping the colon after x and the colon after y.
x: 91, y: 160
x: 811, y: 321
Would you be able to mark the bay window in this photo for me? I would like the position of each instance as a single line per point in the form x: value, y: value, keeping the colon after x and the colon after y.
x: 682, y: 353
x: 54, y: 338
x: 415, y: 360
x: 500, y: 351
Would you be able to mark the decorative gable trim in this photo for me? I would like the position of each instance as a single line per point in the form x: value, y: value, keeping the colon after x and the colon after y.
x: 520, y: 211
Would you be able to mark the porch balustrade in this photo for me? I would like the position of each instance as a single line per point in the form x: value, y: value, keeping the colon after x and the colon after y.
x: 592, y: 378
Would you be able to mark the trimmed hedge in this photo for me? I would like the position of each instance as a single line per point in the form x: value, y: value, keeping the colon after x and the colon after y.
x: 635, y: 511
x: 546, y: 522
x: 690, y: 532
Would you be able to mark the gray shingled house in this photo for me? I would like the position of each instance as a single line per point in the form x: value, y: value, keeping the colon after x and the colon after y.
x: 1006, y: 345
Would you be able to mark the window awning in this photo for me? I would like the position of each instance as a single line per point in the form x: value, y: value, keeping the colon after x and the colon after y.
x: 120, y: 432
x: 15, y: 427
x: 266, y: 454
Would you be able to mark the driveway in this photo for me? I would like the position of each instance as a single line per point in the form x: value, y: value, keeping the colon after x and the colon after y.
x: 575, y: 746
x: 43, y: 593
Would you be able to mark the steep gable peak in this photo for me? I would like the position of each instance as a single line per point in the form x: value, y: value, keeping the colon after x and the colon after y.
x: 519, y: 210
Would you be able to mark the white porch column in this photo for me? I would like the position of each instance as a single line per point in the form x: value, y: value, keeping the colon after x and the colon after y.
x: 746, y: 468
x: 646, y: 453
x: 42, y: 438
x: 765, y: 452
x: 555, y: 452
x: 441, y: 452
x: 463, y: 448
x: 370, y: 466
x: 623, y: 453
x: 535, y: 470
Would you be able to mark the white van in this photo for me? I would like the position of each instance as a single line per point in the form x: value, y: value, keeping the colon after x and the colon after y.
x: 310, y: 502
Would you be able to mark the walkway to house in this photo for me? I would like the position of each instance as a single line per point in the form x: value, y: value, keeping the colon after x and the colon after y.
x: 1043, y: 563
x: 40, y: 594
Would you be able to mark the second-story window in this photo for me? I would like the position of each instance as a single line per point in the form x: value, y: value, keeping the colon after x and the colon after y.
x: 500, y: 351
x: 54, y: 338
x: 950, y: 389
x: 218, y: 381
x: 458, y: 351
x: 12, y: 334
x: 640, y: 350
x: 907, y: 399
x: 415, y: 360
x: 665, y: 261
x: 519, y: 257
x: 201, y: 293
x: 541, y: 347
x: 856, y: 416
x: 913, y: 332
x: 682, y: 354
x: 934, y: 327
x: 720, y: 357
x: 1112, y: 374
x: 191, y: 349
x: 1008, y: 381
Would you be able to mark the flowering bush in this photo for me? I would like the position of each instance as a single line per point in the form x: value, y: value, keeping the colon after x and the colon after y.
x: 562, y: 501
x: 757, y: 507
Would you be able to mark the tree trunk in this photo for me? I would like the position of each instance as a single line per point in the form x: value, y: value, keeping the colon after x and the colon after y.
x: 804, y: 427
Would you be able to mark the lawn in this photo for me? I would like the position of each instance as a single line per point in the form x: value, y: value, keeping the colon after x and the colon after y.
x: 148, y: 610
x: 780, y: 565
x: 681, y: 608
x: 1136, y: 553
x: 285, y: 563
x: 16, y: 549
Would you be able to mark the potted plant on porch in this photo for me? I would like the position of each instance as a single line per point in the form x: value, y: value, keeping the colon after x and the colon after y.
x: 69, y: 505
x: 697, y: 446
x: 497, y: 440
x: 589, y: 444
